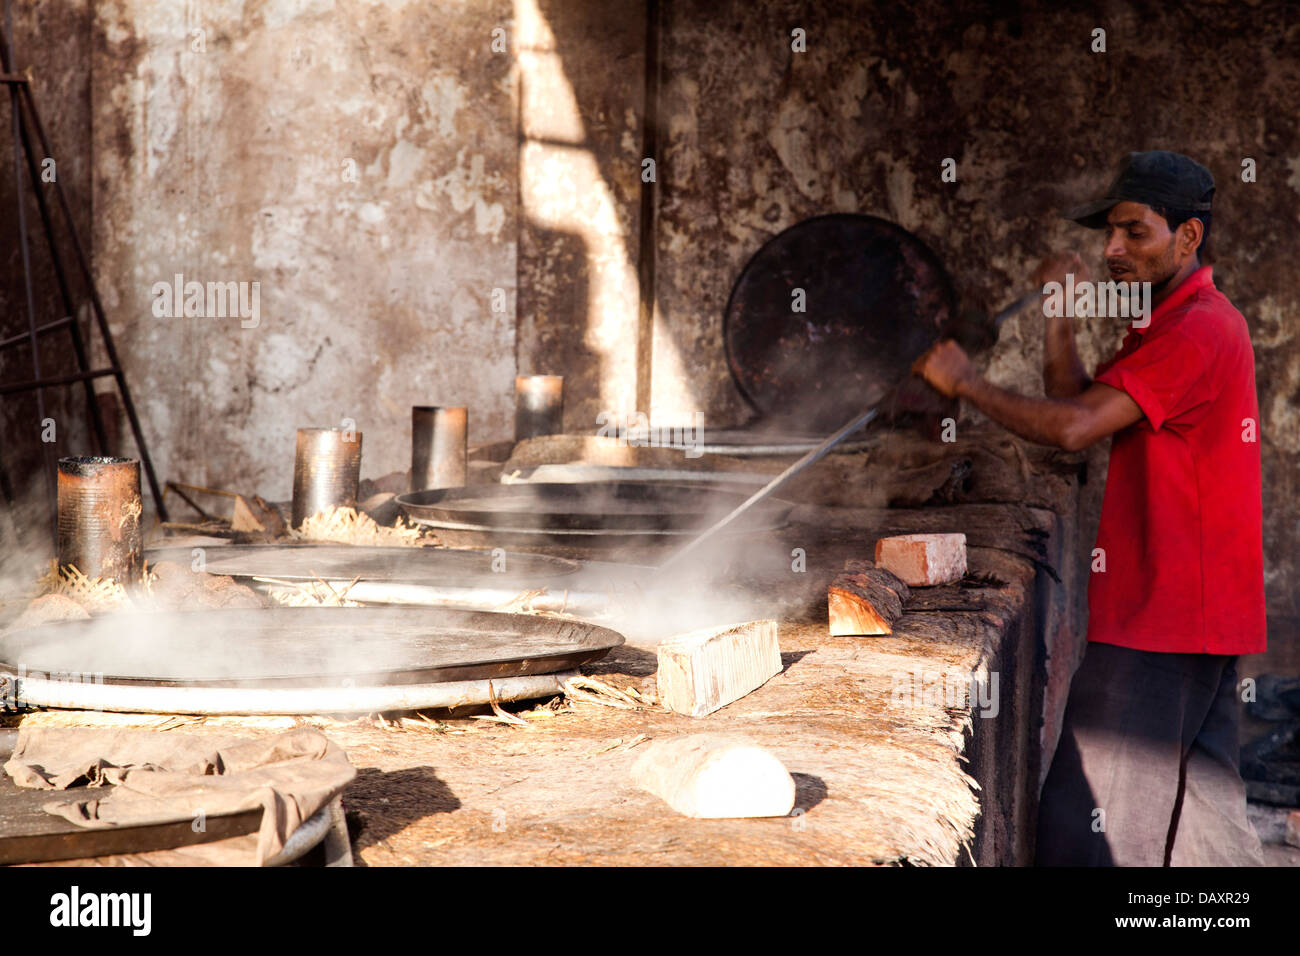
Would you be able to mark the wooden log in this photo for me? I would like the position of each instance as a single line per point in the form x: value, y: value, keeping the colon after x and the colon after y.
x: 865, y: 602
x: 709, y: 776
x: 923, y: 560
x: 705, y: 670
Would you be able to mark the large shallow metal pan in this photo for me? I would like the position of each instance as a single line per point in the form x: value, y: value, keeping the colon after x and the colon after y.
x: 303, y: 647
x: 758, y: 441
x: 443, y: 567
x: 874, y: 297
x: 431, y: 577
x: 589, y: 508
x: 583, y: 473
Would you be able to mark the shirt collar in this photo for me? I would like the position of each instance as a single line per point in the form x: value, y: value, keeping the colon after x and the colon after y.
x: 1202, y: 277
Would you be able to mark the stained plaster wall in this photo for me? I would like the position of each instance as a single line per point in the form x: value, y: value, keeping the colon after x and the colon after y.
x: 358, y: 161
x: 479, y: 171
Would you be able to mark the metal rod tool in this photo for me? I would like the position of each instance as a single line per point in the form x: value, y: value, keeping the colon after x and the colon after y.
x: 857, y: 423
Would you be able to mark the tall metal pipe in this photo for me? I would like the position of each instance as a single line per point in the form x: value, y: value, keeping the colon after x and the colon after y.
x: 439, y: 446
x: 99, y: 510
x: 539, y: 405
x: 326, y: 471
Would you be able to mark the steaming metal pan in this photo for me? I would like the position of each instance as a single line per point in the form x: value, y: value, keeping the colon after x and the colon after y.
x: 875, y: 297
x: 585, y: 509
x: 288, y: 647
x: 306, y: 562
x: 761, y: 441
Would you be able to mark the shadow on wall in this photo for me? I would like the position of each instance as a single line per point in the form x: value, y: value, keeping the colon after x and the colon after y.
x: 39, y: 428
x: 556, y: 348
x: 582, y: 109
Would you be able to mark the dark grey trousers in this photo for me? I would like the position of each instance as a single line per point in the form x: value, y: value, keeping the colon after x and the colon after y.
x: 1146, y: 772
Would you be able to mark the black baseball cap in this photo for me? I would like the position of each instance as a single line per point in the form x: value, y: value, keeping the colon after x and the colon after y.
x: 1157, y: 178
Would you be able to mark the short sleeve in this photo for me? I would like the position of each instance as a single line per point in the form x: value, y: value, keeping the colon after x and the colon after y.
x: 1166, y: 376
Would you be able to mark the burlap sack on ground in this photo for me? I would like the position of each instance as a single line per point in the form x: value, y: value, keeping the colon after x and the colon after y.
x: 166, y: 777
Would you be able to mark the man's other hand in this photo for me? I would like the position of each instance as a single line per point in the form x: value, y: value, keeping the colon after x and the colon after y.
x: 1055, y: 266
x: 945, y: 366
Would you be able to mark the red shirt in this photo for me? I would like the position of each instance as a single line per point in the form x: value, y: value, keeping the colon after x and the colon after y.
x: 1181, y: 526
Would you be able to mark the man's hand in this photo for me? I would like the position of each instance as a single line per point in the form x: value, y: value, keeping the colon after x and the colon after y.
x: 945, y: 367
x: 1054, y: 267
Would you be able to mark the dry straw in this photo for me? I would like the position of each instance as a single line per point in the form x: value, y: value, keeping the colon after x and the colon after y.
x: 349, y: 526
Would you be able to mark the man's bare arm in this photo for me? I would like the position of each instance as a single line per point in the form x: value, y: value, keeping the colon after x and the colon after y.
x: 1063, y: 373
x: 1068, y: 423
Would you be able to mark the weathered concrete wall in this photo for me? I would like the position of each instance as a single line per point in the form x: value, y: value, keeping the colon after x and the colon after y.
x: 355, y: 159
x: 53, y: 41
x: 759, y: 137
x: 228, y: 164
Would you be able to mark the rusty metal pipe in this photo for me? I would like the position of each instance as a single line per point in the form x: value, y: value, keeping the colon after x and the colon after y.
x: 439, y: 446
x: 99, y: 517
x: 539, y: 405
x: 326, y: 471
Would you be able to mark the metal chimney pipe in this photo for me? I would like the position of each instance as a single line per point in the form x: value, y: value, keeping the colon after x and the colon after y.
x: 326, y: 471
x: 539, y: 405
x: 99, y: 509
x: 439, y: 446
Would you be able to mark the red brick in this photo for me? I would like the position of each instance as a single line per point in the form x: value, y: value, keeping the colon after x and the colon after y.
x: 920, y: 560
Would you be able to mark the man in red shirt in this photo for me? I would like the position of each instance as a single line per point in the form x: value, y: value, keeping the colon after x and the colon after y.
x: 1146, y: 771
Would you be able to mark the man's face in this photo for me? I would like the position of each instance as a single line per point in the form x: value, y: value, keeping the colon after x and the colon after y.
x: 1140, y: 246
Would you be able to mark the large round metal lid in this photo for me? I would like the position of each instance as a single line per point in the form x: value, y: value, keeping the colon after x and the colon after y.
x: 874, y: 297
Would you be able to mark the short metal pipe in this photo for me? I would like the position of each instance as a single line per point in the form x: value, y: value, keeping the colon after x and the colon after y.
x: 326, y: 471
x: 539, y: 405
x: 99, y: 510
x: 439, y: 446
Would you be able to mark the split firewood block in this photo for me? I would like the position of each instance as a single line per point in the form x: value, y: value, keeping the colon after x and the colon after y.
x: 865, y: 602
x: 255, y: 515
x: 923, y: 560
x: 705, y: 670
x: 243, y: 519
x: 712, y: 776
x: 1292, y: 834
